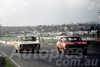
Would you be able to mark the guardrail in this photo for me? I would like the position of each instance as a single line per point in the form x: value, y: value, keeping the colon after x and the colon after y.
x: 7, y: 42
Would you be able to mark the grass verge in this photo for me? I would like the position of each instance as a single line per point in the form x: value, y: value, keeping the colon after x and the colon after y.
x: 8, y: 63
x: 8, y: 38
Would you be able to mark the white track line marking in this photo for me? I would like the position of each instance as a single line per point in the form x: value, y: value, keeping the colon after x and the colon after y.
x: 10, y: 59
x: 3, y: 53
x: 15, y: 62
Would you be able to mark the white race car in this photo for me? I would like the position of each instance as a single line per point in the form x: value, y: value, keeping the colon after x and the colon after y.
x: 27, y: 43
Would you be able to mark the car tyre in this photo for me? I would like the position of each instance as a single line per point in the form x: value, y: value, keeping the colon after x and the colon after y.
x: 16, y: 51
x: 32, y: 50
x: 37, y: 51
x: 59, y: 51
x: 20, y: 51
x: 85, y: 52
x: 64, y: 51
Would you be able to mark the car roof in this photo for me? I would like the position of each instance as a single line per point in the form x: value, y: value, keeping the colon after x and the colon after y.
x: 69, y: 36
x: 25, y: 36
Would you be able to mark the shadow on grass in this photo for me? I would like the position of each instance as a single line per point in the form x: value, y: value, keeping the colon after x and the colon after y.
x: 2, y: 62
x: 5, y: 63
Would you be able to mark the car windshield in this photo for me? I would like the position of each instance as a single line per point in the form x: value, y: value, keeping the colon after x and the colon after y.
x: 28, y: 39
x: 71, y: 39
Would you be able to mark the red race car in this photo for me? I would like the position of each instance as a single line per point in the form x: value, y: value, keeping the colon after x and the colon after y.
x: 71, y: 44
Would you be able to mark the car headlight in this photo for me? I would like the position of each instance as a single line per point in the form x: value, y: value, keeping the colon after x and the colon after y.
x: 21, y: 45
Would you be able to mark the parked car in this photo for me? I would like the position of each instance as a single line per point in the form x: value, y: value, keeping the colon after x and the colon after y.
x: 27, y: 43
x: 71, y: 43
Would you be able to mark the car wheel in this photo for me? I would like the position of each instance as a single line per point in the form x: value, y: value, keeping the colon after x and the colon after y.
x: 84, y: 51
x: 59, y: 50
x: 20, y: 51
x: 37, y: 51
x: 32, y: 50
x: 27, y: 49
x: 16, y: 51
x: 64, y: 51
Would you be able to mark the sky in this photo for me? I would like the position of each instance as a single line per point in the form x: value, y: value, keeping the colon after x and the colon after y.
x: 48, y: 12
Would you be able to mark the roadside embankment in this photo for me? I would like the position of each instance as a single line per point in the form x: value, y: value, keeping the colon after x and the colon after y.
x: 2, y: 62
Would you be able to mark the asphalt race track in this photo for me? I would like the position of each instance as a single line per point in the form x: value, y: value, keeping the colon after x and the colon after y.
x: 49, y: 57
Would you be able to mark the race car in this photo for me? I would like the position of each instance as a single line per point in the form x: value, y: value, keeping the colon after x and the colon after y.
x: 27, y: 43
x: 72, y: 44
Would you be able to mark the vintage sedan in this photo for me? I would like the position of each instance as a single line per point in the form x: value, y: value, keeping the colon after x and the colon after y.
x: 72, y: 44
x: 27, y: 43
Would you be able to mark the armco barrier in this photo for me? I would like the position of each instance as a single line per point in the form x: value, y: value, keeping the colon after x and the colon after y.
x: 7, y: 42
x: 10, y: 43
